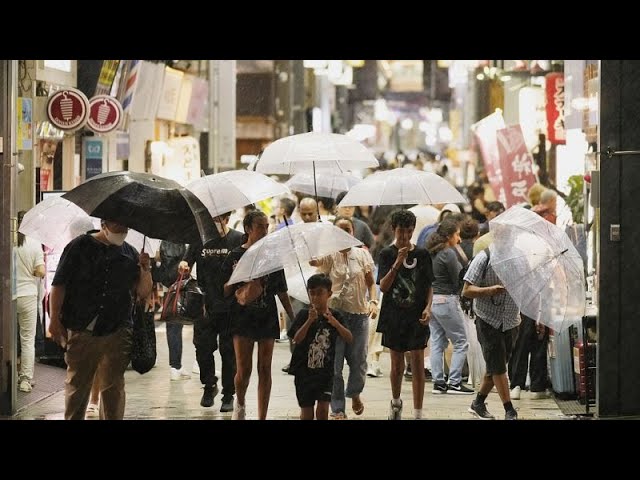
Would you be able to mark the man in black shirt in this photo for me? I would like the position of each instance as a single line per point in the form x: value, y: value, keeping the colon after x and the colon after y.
x: 98, y: 279
x: 209, y: 259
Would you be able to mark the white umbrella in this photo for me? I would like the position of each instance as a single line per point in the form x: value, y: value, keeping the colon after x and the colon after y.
x: 297, y: 281
x: 289, y: 247
x: 306, y: 152
x: 539, y: 266
x: 224, y: 192
x: 402, y: 186
x: 56, y: 221
x: 328, y: 184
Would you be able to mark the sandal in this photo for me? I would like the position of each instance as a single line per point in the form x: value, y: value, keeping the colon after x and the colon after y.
x: 357, y: 405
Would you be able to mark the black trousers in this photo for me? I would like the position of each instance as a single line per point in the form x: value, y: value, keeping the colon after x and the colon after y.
x: 529, y: 343
x: 205, y: 339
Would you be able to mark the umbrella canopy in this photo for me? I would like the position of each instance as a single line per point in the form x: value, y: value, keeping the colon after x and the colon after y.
x: 539, y: 266
x: 305, y: 152
x: 328, y: 184
x: 402, y: 186
x: 56, y: 221
x: 224, y: 192
x: 289, y: 247
x: 297, y: 281
x: 154, y: 206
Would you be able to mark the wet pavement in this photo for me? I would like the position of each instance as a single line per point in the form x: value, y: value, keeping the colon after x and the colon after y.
x: 154, y: 396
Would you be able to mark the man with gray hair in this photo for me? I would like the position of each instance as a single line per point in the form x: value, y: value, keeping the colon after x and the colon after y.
x: 547, y: 206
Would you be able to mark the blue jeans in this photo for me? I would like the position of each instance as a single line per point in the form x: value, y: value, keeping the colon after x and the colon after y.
x: 356, y: 355
x: 447, y: 323
x: 174, y: 341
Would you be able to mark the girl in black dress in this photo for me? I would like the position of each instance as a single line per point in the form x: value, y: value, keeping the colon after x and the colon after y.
x: 257, y: 321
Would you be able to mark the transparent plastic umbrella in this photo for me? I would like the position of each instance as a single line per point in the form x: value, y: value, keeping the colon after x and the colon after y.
x: 327, y: 152
x: 539, y: 266
x: 402, y: 186
x: 327, y: 184
x: 56, y: 221
x: 224, y: 192
x: 297, y: 281
x: 291, y: 247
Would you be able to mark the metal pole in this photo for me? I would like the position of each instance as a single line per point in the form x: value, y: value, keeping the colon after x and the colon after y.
x: 213, y: 114
x: 8, y: 232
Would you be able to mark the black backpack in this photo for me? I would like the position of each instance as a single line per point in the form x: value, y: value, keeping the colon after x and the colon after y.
x: 466, y: 303
x: 170, y: 256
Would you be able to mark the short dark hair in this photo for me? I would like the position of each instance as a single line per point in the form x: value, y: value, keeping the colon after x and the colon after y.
x: 288, y: 205
x: 319, y: 280
x: 495, y: 207
x: 339, y: 198
x: 403, y: 219
x: 469, y: 229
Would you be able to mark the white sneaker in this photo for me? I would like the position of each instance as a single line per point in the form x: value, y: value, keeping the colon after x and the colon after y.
x: 371, y: 371
x: 515, y: 393
x: 379, y: 372
x: 93, y: 411
x: 538, y: 395
x: 179, y: 374
x: 196, y: 367
x: 238, y: 412
x: 25, y: 386
x: 283, y: 337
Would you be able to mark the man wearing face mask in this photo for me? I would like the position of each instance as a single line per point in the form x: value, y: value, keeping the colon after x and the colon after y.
x: 209, y: 259
x: 98, y: 279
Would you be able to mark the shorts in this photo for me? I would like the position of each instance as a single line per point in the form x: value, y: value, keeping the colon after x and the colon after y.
x: 310, y: 390
x: 496, y: 346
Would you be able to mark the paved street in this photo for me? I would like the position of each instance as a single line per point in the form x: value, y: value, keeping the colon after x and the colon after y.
x: 154, y: 396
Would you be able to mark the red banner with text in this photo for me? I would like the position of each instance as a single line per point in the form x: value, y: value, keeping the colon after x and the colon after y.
x: 516, y: 165
x: 555, y: 108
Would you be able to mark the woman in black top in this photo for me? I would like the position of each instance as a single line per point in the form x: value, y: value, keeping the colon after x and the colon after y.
x: 256, y: 321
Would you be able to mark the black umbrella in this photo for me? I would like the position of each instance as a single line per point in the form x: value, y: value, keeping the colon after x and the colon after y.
x: 153, y: 205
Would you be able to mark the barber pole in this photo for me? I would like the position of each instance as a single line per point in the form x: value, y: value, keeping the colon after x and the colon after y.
x: 130, y: 88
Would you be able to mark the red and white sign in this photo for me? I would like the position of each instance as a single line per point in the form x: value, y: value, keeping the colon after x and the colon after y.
x: 516, y: 165
x: 555, y: 108
x: 105, y: 114
x: 68, y: 109
x: 485, y: 134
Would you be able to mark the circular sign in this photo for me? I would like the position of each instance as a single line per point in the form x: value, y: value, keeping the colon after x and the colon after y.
x: 67, y: 109
x: 105, y: 113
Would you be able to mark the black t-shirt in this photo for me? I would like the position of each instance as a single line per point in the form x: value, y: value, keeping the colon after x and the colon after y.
x: 210, y: 259
x: 313, y: 356
x: 408, y: 294
x: 265, y: 304
x: 99, y: 281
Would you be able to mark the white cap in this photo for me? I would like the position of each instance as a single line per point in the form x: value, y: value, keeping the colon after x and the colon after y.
x: 452, y: 207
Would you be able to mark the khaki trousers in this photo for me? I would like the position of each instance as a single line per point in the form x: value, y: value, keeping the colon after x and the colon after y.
x: 109, y: 356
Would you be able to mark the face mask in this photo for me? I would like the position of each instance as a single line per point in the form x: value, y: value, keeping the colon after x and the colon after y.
x: 221, y: 228
x: 116, y: 239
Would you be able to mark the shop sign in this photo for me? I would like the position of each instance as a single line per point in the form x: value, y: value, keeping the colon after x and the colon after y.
x: 555, y: 108
x: 68, y: 109
x: 93, y: 153
x: 516, y: 165
x: 105, y: 113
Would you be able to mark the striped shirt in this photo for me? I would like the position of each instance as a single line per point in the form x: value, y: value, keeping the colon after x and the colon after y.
x: 499, y: 311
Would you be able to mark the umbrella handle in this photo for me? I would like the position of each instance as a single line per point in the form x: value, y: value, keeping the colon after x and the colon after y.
x: 144, y: 241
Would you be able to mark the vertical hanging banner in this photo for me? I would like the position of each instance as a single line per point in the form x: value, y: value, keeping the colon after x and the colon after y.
x: 485, y: 134
x: 25, y: 123
x: 555, y: 108
x: 516, y: 165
